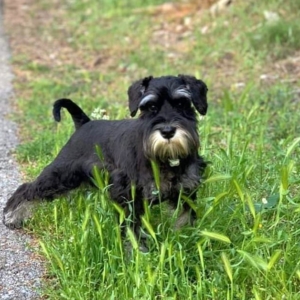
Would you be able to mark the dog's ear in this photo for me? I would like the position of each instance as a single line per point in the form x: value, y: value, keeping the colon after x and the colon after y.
x: 135, y: 92
x: 199, y: 90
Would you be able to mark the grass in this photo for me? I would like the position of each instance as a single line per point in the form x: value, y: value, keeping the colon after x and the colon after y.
x: 279, y: 38
x: 245, y: 244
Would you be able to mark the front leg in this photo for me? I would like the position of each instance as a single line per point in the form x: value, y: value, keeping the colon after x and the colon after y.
x: 133, y: 213
x: 190, y: 181
x: 187, y: 215
x: 121, y: 192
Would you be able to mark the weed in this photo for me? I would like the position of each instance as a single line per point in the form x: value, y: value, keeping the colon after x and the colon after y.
x: 245, y: 243
x: 279, y: 38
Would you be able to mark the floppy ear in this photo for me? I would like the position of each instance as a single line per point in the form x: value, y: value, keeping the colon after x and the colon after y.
x: 135, y: 92
x: 198, y: 90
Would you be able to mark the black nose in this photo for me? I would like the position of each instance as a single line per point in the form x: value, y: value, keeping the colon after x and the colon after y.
x: 168, y: 132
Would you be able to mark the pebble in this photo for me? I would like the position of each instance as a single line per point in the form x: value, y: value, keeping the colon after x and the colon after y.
x: 20, y: 270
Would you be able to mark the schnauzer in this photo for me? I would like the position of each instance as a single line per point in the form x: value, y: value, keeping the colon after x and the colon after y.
x: 165, y: 133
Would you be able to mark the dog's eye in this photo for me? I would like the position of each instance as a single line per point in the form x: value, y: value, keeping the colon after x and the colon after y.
x: 152, y: 108
x: 182, y: 103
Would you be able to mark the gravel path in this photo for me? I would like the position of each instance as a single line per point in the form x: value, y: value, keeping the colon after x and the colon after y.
x: 20, y: 270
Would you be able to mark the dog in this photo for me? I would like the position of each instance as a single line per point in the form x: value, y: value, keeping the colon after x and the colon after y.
x: 165, y: 133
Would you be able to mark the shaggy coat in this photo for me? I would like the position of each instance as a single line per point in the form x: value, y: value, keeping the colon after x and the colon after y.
x: 165, y: 133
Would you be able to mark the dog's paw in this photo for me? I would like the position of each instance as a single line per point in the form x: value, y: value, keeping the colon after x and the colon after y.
x: 14, y: 218
x: 10, y: 222
x: 182, y: 220
x: 128, y: 248
x: 143, y: 248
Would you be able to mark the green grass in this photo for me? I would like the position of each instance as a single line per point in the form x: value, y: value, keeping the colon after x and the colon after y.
x: 245, y: 243
x: 279, y: 38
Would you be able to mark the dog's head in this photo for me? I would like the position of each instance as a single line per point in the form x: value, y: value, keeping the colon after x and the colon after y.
x: 167, y: 105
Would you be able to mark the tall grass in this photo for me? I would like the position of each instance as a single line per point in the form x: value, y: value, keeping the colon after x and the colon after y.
x: 241, y: 243
x: 279, y: 38
x: 245, y: 243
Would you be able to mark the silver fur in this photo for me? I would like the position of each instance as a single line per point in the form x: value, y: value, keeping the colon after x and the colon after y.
x: 182, y: 92
x: 147, y: 98
x: 16, y: 216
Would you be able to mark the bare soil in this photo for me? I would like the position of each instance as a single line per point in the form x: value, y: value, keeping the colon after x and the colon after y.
x: 23, y: 19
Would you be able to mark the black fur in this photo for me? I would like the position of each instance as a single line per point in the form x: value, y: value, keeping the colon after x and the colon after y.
x: 78, y: 116
x: 167, y: 113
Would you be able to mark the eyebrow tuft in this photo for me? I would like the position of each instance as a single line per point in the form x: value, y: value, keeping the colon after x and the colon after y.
x: 148, y: 98
x: 182, y: 92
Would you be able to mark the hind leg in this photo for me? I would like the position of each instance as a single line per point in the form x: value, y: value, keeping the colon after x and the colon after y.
x: 53, y: 181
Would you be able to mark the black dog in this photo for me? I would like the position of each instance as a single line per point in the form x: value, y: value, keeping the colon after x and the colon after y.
x: 165, y: 132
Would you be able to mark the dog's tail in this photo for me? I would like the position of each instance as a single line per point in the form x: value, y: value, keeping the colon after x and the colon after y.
x: 78, y: 116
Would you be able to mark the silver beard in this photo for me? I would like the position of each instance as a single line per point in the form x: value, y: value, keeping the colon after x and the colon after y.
x: 179, y: 146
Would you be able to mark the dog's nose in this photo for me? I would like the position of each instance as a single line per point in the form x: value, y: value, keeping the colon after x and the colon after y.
x: 168, y: 132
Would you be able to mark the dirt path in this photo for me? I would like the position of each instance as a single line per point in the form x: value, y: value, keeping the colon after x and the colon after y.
x: 20, y: 269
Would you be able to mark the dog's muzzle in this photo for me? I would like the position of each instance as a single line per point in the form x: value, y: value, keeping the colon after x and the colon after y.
x: 169, y: 142
x: 168, y: 132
